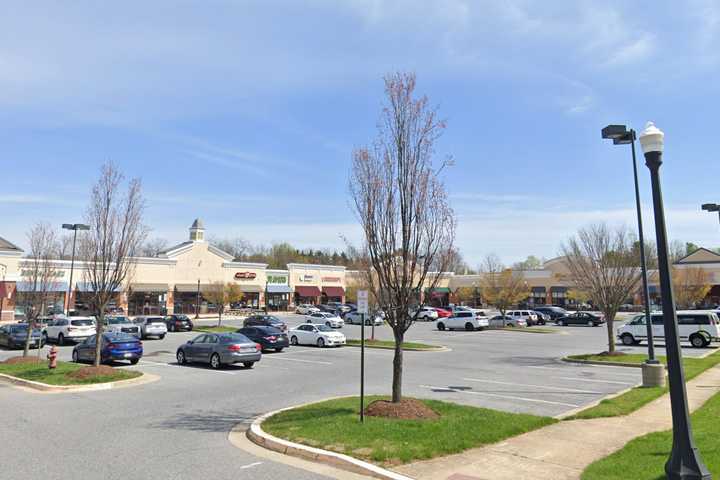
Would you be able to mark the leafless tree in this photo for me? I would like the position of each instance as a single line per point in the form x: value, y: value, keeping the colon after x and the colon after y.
x: 502, y: 287
x: 39, y: 275
x: 153, y: 247
x: 115, y: 236
x: 239, y: 248
x: 690, y: 285
x: 65, y: 245
x: 601, y: 263
x: 402, y: 206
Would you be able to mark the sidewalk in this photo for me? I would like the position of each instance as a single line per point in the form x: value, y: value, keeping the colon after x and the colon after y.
x: 563, y: 450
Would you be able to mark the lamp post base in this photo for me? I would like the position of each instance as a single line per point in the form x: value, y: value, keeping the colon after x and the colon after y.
x: 653, y: 374
x: 686, y: 467
x: 654, y: 361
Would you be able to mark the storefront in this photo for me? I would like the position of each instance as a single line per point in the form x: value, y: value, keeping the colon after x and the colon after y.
x: 147, y: 299
x: 54, y: 301
x: 309, y: 295
x: 559, y: 296
x: 332, y: 294
x: 437, y: 297
x: 538, y: 296
x: 277, y: 291
x: 188, y: 299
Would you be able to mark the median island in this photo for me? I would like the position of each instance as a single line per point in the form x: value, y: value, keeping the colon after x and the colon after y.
x: 390, y: 345
x: 66, y: 373
x: 388, y: 437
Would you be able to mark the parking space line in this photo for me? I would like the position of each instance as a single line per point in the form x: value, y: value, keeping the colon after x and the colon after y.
x: 578, y: 379
x: 251, y: 465
x: 296, y: 360
x: 145, y: 362
x: 510, y: 397
x: 568, y: 368
x: 561, y: 389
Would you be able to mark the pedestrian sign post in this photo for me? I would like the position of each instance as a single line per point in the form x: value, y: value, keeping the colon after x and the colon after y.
x: 362, y: 308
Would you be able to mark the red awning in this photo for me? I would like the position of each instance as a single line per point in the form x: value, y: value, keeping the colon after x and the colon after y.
x: 308, y: 291
x: 334, y: 291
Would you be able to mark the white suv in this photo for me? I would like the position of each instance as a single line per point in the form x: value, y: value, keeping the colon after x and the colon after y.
x: 428, y: 314
x: 306, y: 309
x: 698, y: 327
x: 463, y: 321
x: 63, y: 329
x: 529, y: 316
x: 151, y: 326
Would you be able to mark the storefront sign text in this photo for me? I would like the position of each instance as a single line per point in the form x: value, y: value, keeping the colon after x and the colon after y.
x: 277, y: 279
x: 306, y: 278
x: 331, y: 279
x: 245, y: 275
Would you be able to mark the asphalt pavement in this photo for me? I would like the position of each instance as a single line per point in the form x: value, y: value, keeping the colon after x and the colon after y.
x: 177, y: 427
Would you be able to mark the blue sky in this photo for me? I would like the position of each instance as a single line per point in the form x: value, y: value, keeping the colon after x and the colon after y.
x: 244, y: 113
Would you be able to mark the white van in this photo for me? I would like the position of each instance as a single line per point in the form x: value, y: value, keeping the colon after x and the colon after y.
x: 698, y: 327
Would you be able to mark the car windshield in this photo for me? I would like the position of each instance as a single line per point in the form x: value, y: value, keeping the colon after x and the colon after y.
x: 183, y: 318
x: 21, y: 329
x: 324, y: 328
x: 116, y: 320
x: 120, y: 338
x: 81, y: 323
x: 234, y: 338
x: 155, y: 320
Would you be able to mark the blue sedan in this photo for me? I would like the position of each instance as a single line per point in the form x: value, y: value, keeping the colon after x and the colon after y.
x: 115, y: 346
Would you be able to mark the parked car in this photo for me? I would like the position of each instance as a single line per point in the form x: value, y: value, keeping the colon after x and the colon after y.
x: 306, y: 309
x: 427, y: 314
x: 266, y: 321
x: 218, y: 349
x: 581, y: 318
x: 316, y: 334
x: 502, y: 321
x: 529, y: 316
x: 698, y: 327
x: 151, y: 326
x: 75, y: 329
x: 329, y: 319
x: 269, y: 338
x: 340, y: 308
x: 552, y: 311
x: 542, y: 318
x: 355, y: 318
x: 121, y: 324
x: 115, y: 346
x: 14, y: 336
x: 442, y: 312
x: 463, y: 321
x: 177, y: 323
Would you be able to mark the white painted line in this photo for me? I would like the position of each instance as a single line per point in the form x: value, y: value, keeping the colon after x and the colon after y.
x: 510, y: 397
x: 268, y: 357
x: 576, y: 379
x: 180, y: 366
x: 531, y: 385
x: 251, y: 465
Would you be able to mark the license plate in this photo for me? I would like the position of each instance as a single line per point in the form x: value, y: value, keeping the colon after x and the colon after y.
x: 127, y: 355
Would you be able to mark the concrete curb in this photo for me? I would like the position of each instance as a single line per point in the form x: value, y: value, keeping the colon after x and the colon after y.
x: 434, y: 349
x: 46, y: 388
x: 259, y: 437
x: 606, y: 364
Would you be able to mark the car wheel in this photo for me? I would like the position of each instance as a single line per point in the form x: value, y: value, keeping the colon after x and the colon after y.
x: 293, y: 340
x: 367, y: 322
x: 560, y: 323
x: 215, y: 361
x: 441, y: 326
x: 134, y: 361
x: 44, y: 337
x: 249, y: 364
x: 327, y: 324
x: 278, y: 350
x: 697, y: 340
x: 627, y: 339
x: 511, y: 325
x: 181, y: 360
x: 75, y: 357
x: 590, y: 323
x: 320, y: 343
x: 162, y: 336
x: 469, y: 327
x: 172, y: 327
x: 61, y: 339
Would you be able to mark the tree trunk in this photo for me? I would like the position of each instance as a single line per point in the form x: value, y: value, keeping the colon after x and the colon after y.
x: 609, y: 323
x: 220, y: 312
x: 397, y: 367
x: 98, y: 336
x: 26, y: 349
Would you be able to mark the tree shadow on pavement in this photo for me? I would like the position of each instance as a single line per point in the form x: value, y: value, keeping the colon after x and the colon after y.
x: 203, y: 421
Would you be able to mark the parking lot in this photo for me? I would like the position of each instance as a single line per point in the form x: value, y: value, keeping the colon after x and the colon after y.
x: 172, y: 427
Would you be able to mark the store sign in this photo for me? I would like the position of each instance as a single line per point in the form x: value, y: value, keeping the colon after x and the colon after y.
x: 245, y: 275
x: 306, y: 278
x: 281, y: 279
x: 331, y: 279
x: 39, y: 273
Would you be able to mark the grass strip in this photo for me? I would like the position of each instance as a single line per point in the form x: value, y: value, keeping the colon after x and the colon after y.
x: 59, y: 376
x: 390, y: 345
x: 334, y: 425
x: 644, y: 457
x: 635, y: 398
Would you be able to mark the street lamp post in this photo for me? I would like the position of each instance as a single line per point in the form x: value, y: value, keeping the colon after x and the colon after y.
x: 197, y: 301
x: 684, y: 462
x: 621, y: 136
x: 74, y: 227
x: 711, y: 207
x: 3, y: 269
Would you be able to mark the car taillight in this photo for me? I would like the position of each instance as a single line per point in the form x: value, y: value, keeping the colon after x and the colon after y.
x: 235, y: 348
x: 272, y: 338
x: 258, y: 347
x: 110, y: 346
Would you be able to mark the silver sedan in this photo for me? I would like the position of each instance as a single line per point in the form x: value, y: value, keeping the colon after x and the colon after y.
x: 218, y: 349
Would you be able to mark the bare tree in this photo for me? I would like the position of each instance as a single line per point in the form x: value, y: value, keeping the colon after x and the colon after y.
x: 403, y: 209
x: 222, y: 294
x: 502, y: 287
x: 39, y: 275
x: 115, y: 236
x: 239, y: 248
x: 690, y: 285
x: 65, y: 245
x: 601, y: 263
x: 153, y: 247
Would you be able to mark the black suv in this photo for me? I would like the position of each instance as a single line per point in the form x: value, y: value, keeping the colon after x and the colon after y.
x: 553, y: 312
x: 177, y: 323
x: 265, y: 321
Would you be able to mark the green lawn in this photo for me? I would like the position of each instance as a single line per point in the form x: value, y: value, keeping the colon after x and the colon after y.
x: 390, y: 344
x: 334, y: 425
x: 216, y: 329
x: 637, y: 397
x: 644, y: 458
x: 41, y: 373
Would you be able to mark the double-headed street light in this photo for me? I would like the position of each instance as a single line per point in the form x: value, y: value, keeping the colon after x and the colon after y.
x: 711, y: 207
x: 74, y: 227
x: 684, y: 462
x: 620, y: 135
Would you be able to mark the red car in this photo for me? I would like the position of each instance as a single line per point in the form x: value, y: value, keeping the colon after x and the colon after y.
x: 442, y: 313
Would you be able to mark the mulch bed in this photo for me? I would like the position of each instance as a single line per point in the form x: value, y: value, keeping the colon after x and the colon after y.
x: 15, y: 360
x: 89, y: 372
x: 407, y: 409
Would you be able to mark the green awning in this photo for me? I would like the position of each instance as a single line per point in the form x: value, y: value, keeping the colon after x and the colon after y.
x: 437, y: 290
